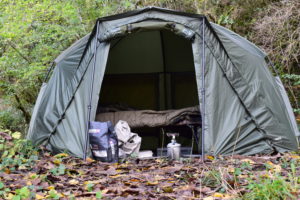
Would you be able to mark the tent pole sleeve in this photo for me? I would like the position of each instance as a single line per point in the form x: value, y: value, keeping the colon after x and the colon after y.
x: 91, y: 96
x: 203, y: 91
x: 48, y: 72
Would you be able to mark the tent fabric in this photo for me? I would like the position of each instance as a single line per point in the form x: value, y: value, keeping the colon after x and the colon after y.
x: 245, y: 112
x: 36, y: 109
x: 287, y: 103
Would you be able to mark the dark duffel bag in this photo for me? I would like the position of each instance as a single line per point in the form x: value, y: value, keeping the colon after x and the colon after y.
x: 103, y: 142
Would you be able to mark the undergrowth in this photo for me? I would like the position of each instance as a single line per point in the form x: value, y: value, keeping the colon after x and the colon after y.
x: 228, y: 178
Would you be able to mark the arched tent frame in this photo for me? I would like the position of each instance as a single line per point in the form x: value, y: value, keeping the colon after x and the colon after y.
x: 226, y: 65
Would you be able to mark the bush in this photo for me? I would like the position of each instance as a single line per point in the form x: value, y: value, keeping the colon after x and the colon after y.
x: 34, y: 32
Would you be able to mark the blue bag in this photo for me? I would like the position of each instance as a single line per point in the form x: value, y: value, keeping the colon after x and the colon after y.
x: 103, y: 142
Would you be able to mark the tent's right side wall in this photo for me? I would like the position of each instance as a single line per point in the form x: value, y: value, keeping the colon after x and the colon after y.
x: 238, y: 112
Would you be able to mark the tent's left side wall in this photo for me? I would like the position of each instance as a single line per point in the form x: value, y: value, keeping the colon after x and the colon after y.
x: 71, y: 132
x: 61, y: 120
x: 53, y: 97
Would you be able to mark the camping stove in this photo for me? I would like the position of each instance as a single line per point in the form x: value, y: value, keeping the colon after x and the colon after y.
x: 173, y: 147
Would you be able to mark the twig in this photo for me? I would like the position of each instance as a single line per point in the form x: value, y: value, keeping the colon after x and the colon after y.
x: 14, y: 46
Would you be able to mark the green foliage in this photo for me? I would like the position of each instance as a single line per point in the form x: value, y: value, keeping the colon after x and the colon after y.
x: 212, y: 178
x: 34, y: 32
x: 3, y: 190
x: 99, y: 195
x: 266, y: 189
x: 90, y: 187
x: 295, y: 78
x: 60, y: 170
x: 16, y: 153
x: 275, y: 185
x: 11, y: 118
x: 53, y: 194
x: 22, y: 193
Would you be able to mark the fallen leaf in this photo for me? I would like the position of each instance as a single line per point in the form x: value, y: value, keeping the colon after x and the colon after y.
x: 248, y: 160
x: 6, y: 170
x: 73, y: 182
x: 38, y: 196
x: 61, y: 155
x: 228, y: 196
x: 22, y: 167
x: 167, y: 189
x: 216, y: 194
x: 230, y: 169
x: 117, y: 175
x: 5, y: 136
x: 50, y: 188
x: 152, y: 183
x: 16, y: 135
x: 243, y: 176
x: 90, y: 160
x: 9, y: 196
x: 295, y: 157
x: 57, y: 161
x: 210, y: 157
x: 135, y: 180
x: 209, y: 198
x: 274, y: 168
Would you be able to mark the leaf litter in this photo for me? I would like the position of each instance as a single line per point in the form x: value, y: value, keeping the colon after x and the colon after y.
x: 224, y: 177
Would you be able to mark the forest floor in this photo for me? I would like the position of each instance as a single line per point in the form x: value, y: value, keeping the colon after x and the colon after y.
x: 29, y: 173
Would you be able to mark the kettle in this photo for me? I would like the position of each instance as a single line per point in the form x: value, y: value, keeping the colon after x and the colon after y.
x: 173, y: 148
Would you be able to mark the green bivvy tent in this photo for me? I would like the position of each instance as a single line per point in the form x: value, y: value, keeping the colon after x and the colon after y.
x: 152, y: 57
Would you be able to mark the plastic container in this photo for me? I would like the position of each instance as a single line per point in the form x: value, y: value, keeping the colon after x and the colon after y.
x: 164, y: 151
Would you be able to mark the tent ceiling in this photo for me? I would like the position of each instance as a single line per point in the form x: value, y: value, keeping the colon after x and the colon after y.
x: 150, y: 52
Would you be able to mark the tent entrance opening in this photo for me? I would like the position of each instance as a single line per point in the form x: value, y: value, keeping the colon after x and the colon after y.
x: 150, y: 83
